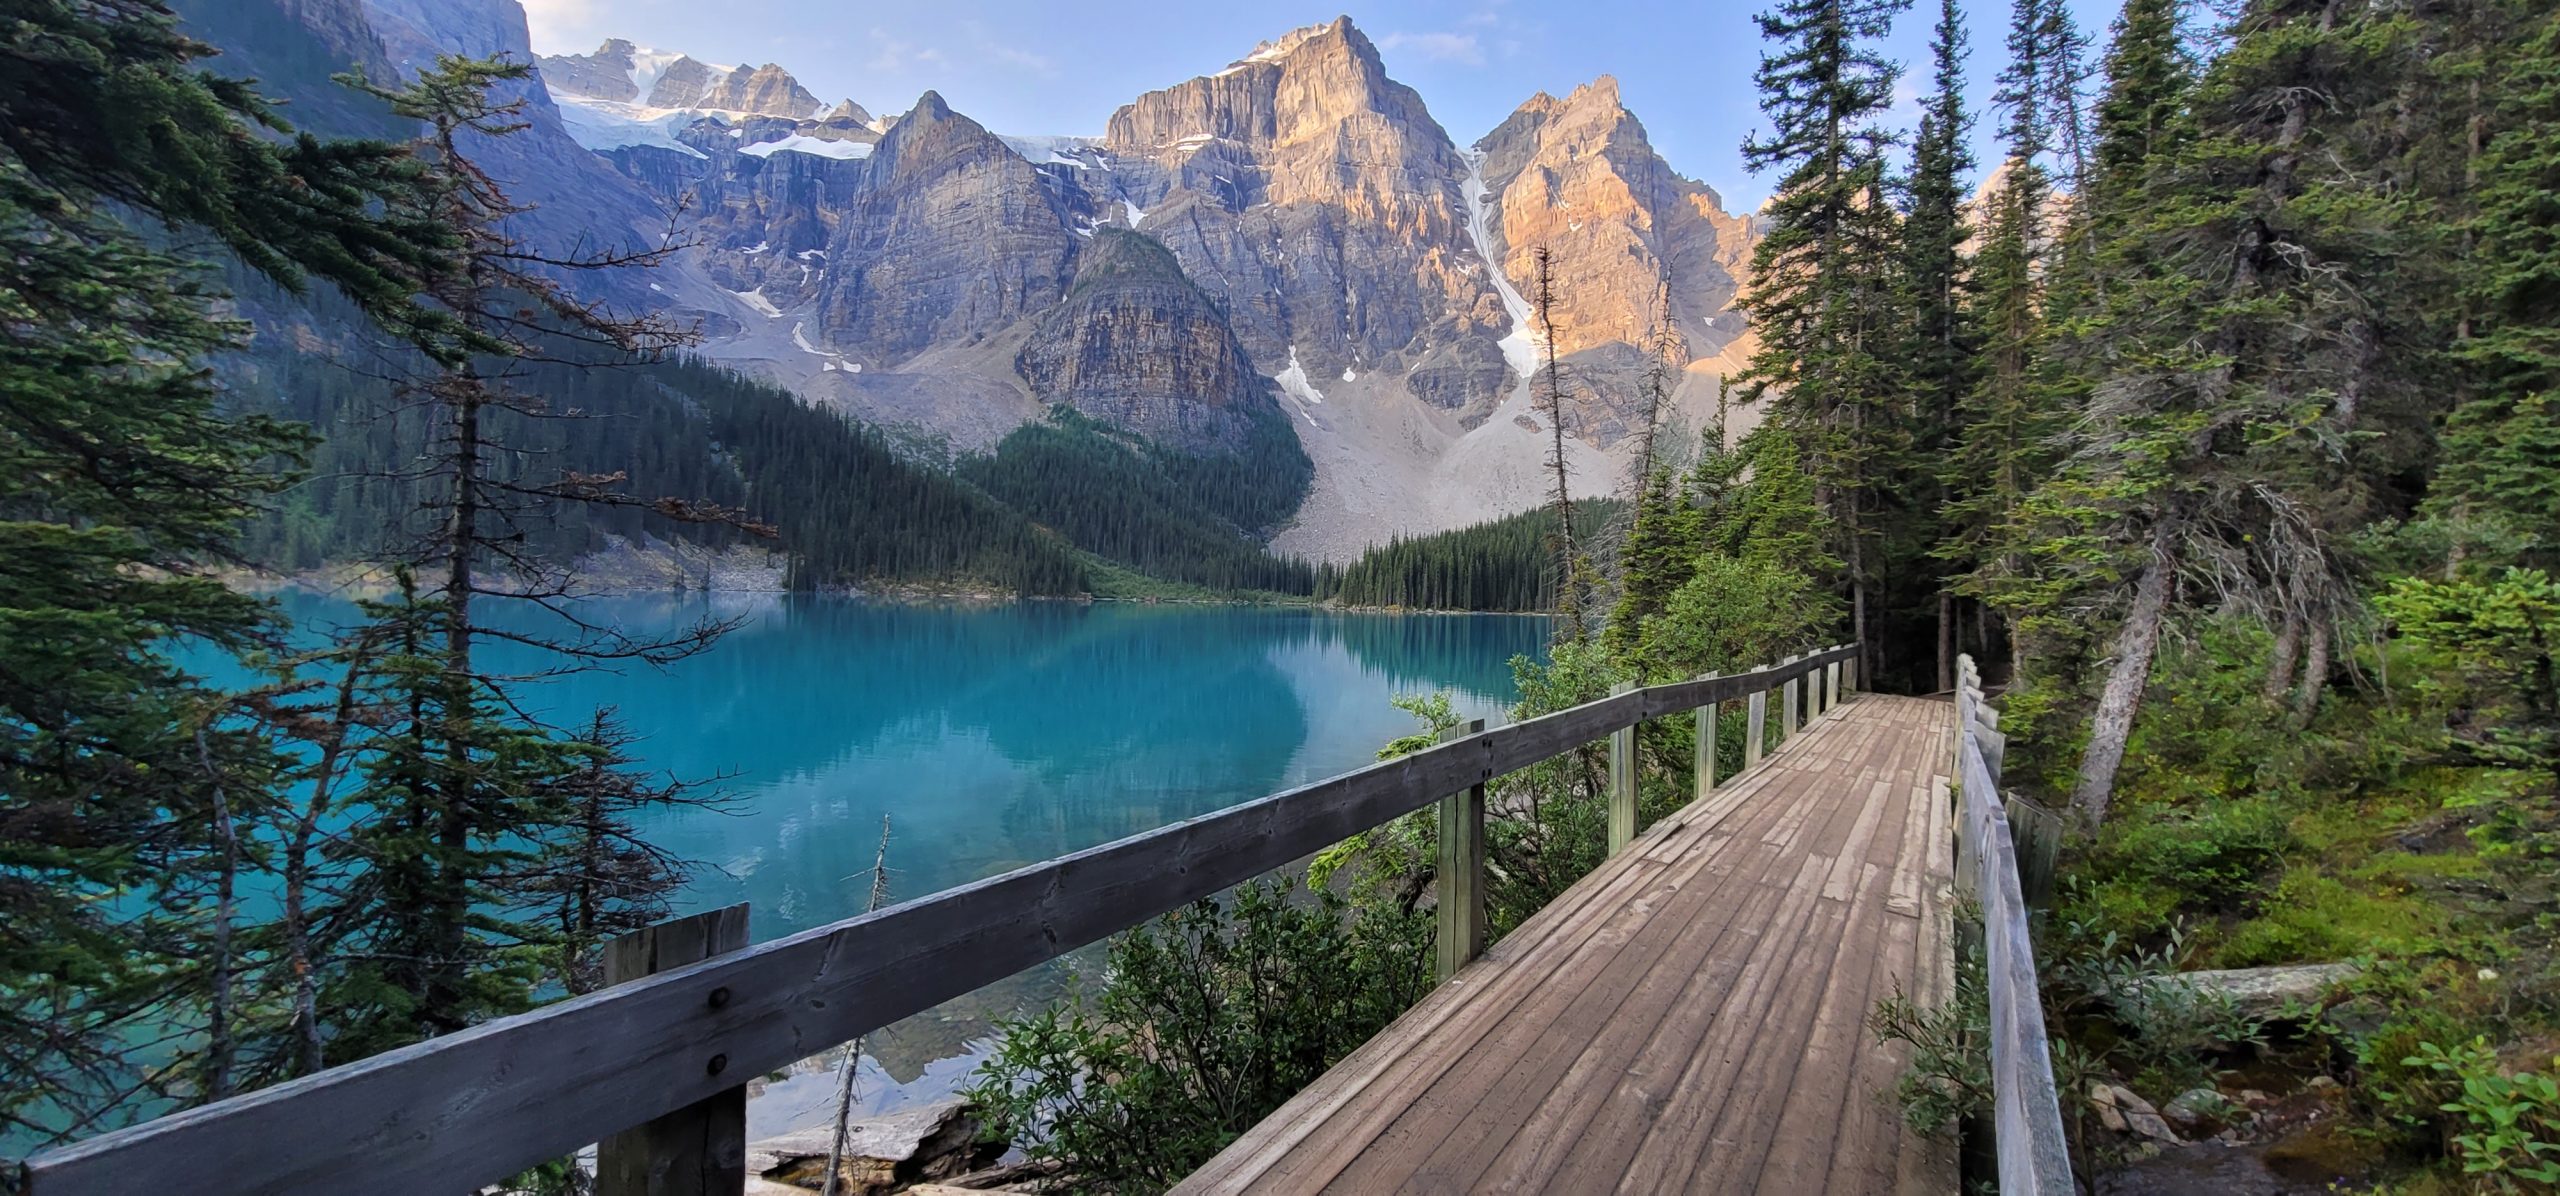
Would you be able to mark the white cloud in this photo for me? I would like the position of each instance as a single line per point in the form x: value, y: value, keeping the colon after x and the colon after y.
x: 889, y: 54
x: 1905, y: 102
x: 1440, y: 47
x: 562, y: 26
x: 1038, y: 64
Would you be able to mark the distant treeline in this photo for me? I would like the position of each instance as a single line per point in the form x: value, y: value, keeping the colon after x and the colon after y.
x: 850, y: 510
x: 1508, y: 564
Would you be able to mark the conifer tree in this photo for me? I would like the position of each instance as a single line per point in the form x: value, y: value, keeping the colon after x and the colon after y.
x: 1939, y: 362
x: 2248, y: 336
x: 2002, y: 446
x: 122, y: 477
x: 1821, y: 296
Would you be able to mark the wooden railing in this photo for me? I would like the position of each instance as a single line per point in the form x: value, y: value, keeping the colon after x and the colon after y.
x: 2026, y: 1113
x: 472, y: 1108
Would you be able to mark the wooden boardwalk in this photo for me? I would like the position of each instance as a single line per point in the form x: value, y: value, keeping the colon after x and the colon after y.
x: 1690, y: 1017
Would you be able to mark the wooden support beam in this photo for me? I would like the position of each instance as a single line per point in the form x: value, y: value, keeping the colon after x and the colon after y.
x: 1622, y: 780
x: 2037, y: 832
x: 1790, y: 693
x: 700, y: 1149
x: 1460, y: 874
x: 1755, y: 726
x: 1831, y: 683
x: 1706, y: 763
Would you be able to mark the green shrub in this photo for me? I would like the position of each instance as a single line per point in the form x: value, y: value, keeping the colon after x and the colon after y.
x: 1206, y: 1022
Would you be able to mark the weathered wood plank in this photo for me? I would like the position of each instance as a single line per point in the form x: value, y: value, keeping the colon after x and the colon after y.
x: 1609, y: 1048
x: 1459, y: 875
x: 700, y: 1149
x: 2034, y: 1158
x: 1789, y: 707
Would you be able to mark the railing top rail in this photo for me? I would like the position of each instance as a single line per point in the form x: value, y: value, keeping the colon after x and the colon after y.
x: 477, y: 1106
x: 2034, y: 1156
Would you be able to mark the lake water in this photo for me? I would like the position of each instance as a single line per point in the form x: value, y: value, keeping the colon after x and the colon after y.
x: 991, y: 737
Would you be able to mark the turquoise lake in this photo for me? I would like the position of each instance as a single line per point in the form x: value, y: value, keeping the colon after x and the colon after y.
x: 990, y: 737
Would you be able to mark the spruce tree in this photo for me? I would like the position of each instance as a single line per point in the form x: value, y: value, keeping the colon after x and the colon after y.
x: 1938, y: 363
x: 2256, y: 390
x: 122, y: 478
x: 1821, y: 297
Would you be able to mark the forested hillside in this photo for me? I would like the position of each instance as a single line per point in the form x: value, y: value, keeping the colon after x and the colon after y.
x: 1505, y: 565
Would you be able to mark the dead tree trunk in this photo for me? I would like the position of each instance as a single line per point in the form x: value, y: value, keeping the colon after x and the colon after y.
x: 2136, y: 643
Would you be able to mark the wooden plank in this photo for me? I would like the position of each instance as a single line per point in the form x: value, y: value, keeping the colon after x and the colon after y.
x: 1622, y: 782
x: 1549, y: 1077
x: 2034, y: 1158
x: 700, y: 1149
x: 1798, y: 1158
x: 1539, y: 1100
x: 1348, y: 1107
x: 1459, y: 872
x: 1603, y: 1130
x: 2037, y: 833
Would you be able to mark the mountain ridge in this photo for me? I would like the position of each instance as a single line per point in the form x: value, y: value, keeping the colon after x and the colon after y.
x: 902, y: 269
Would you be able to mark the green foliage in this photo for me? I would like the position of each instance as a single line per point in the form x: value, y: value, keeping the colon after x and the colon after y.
x: 2505, y: 632
x: 1949, y: 1078
x: 2507, y: 1123
x: 1179, y: 516
x: 1506, y: 564
x: 1205, y: 1023
x: 2166, y: 1027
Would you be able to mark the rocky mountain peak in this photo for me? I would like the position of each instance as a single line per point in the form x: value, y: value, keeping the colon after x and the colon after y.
x: 621, y: 72
x: 767, y: 90
x: 1578, y: 177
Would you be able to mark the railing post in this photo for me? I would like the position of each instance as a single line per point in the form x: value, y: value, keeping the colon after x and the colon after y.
x: 1755, y: 724
x: 700, y: 1149
x: 1849, y: 672
x: 1831, y: 683
x: 1707, y: 743
x: 1622, y: 781
x: 1791, y: 692
x: 1460, y: 875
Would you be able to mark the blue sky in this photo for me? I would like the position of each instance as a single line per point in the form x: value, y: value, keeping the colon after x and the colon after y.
x: 1037, y: 66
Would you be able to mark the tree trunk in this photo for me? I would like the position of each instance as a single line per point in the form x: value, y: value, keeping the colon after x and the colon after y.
x: 2315, y: 673
x: 2136, y: 642
x: 2280, y: 662
x: 1946, y: 642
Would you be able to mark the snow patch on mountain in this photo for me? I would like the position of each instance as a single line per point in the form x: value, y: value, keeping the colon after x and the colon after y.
x: 602, y: 125
x: 797, y: 143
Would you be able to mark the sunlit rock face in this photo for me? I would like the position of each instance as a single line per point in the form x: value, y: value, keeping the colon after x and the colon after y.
x: 1624, y: 233
x: 1318, y: 200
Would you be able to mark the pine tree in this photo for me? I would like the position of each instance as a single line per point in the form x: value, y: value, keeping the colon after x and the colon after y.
x: 2253, y: 391
x: 1939, y: 362
x: 122, y: 476
x: 2002, y: 446
x: 445, y: 902
x: 1821, y: 297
